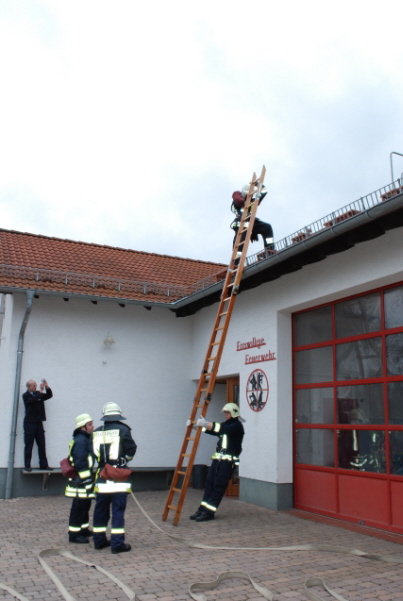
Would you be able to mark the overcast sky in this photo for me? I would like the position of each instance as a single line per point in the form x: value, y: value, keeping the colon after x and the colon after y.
x: 130, y: 123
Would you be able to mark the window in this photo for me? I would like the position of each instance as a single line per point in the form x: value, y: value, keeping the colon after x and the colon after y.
x: 348, y: 385
x: 358, y: 316
x: 314, y: 365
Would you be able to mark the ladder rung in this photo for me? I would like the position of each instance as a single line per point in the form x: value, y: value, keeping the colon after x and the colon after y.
x: 182, y: 473
x: 177, y: 489
x: 172, y: 507
x: 184, y: 455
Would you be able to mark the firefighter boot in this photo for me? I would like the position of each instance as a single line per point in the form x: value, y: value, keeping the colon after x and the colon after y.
x: 196, y: 514
x: 78, y: 539
x: 205, y: 516
x: 122, y: 549
x: 103, y: 544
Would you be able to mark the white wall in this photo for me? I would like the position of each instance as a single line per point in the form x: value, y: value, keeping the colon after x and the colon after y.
x: 265, y: 312
x: 146, y: 372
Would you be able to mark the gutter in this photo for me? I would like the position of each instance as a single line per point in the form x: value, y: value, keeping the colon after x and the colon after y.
x: 17, y: 386
x: 115, y: 299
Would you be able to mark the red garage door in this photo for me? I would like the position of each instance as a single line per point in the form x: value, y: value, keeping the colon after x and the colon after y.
x: 348, y: 409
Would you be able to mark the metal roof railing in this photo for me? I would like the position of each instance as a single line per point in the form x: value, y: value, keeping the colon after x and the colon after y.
x: 347, y: 212
x: 98, y: 283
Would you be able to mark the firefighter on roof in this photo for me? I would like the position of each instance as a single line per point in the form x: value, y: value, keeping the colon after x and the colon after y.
x: 226, y: 458
x: 259, y: 227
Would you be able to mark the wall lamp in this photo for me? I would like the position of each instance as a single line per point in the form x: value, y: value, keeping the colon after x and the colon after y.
x: 109, y: 341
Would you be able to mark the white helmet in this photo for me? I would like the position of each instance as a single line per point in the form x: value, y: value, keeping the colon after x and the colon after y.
x: 232, y: 408
x: 111, y: 412
x: 246, y: 188
x: 83, y: 419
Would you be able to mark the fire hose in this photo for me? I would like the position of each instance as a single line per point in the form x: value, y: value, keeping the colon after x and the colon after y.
x: 197, y: 589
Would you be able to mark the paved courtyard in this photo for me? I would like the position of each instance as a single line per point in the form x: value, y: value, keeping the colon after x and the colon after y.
x: 160, y: 568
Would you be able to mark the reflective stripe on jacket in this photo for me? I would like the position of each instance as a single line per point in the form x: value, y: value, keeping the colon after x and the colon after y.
x: 82, y: 458
x: 230, y: 434
x: 112, y: 442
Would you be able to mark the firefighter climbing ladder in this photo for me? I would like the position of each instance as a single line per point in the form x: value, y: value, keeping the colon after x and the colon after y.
x: 183, y: 471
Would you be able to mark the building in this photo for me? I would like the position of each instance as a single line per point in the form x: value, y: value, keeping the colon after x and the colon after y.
x: 312, y: 356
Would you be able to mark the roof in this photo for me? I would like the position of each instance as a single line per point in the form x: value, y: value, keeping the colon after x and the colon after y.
x: 46, y: 264
x: 64, y: 267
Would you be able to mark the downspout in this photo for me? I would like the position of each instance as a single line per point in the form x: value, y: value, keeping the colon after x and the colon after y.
x: 13, y: 432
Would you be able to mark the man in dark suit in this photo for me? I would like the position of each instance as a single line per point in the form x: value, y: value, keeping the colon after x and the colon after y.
x: 33, y: 422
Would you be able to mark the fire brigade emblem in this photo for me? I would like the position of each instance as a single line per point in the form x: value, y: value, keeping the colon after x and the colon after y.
x: 257, y: 390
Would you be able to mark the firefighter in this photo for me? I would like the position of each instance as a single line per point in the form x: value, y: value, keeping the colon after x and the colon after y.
x: 81, y: 488
x: 113, y: 444
x: 226, y: 458
x: 259, y: 227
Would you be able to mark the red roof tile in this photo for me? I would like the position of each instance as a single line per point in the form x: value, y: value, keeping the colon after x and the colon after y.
x: 35, y: 262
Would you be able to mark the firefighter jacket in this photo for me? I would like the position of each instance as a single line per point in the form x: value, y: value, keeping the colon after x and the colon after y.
x: 82, y: 458
x: 113, y: 444
x: 34, y: 405
x: 237, y: 205
x: 230, y: 434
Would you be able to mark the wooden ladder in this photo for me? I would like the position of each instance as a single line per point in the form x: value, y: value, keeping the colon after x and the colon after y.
x: 183, y: 471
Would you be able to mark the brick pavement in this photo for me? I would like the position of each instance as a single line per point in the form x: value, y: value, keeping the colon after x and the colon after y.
x: 161, y: 569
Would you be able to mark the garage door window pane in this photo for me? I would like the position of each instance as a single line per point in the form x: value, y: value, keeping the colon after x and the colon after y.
x: 394, y: 354
x: 362, y: 450
x: 358, y: 316
x: 314, y: 366
x: 359, y: 360
x: 360, y: 404
x: 314, y: 406
x: 396, y: 453
x: 313, y: 326
x: 315, y: 447
x: 395, y: 401
x: 394, y: 307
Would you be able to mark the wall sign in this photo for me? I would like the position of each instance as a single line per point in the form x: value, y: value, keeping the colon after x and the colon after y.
x: 255, y: 343
x: 257, y: 390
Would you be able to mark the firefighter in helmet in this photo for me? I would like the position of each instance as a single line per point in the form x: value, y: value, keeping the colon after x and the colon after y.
x: 81, y: 488
x: 226, y: 458
x: 259, y: 227
x: 113, y: 444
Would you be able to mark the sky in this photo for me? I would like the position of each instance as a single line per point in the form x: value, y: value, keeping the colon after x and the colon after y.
x: 130, y: 123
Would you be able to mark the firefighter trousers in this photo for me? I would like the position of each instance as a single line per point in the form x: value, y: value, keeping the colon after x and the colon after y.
x: 79, y: 515
x: 218, y: 476
x: 103, y: 505
x: 262, y: 228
